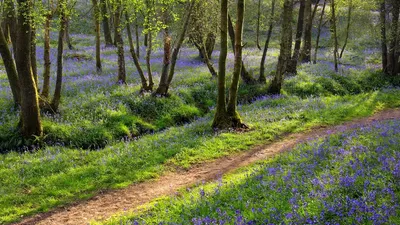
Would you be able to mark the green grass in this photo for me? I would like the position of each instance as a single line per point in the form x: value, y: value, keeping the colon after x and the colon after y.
x: 345, y: 178
x: 54, y: 176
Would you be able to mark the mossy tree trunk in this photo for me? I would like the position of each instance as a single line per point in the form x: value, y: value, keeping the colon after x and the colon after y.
x: 306, y: 50
x: 148, y: 62
x: 67, y: 36
x: 286, y: 49
x: 46, y: 57
x: 120, y: 44
x: 60, y: 49
x: 106, y: 24
x: 9, y: 65
x: 244, y: 74
x: 258, y: 25
x: 97, y: 31
x: 262, y: 78
x: 33, y: 61
x: 292, y: 67
x: 30, y: 115
x: 221, y: 120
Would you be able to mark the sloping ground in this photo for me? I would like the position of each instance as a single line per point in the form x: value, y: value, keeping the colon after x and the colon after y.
x: 106, y: 204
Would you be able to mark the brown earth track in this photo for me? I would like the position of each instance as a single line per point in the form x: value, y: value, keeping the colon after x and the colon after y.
x: 104, y: 205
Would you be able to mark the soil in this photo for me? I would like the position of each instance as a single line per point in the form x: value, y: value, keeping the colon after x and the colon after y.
x: 108, y: 203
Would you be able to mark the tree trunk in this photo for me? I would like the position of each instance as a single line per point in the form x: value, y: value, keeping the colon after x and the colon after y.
x: 306, y: 50
x: 137, y: 37
x: 333, y: 28
x: 97, y: 31
x: 392, y: 59
x: 221, y: 118
x: 67, y: 36
x: 210, y: 43
x: 178, y: 46
x: 258, y: 25
x: 120, y: 45
x: 148, y: 63
x: 232, y: 112
x: 262, y: 79
x: 319, y: 32
x: 60, y: 49
x: 347, y: 28
x: 135, y: 57
x: 286, y: 49
x: 314, y: 12
x: 383, y: 37
x: 163, y: 86
x: 11, y: 22
x: 244, y: 74
x: 30, y: 115
x: 9, y: 65
x: 33, y: 61
x: 292, y: 66
x: 106, y: 24
x: 46, y: 57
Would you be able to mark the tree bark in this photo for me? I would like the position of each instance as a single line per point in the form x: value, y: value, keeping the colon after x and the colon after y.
x: 33, y: 61
x: 306, y: 50
x: 258, y: 25
x: 262, y: 79
x: 148, y: 63
x: 30, y: 115
x: 11, y: 22
x: 137, y: 37
x: 60, y: 49
x: 97, y: 31
x: 136, y: 58
x: 392, y: 59
x: 319, y: 32
x: 120, y: 45
x: 347, y: 28
x: 292, y: 67
x: 221, y: 119
x: 106, y: 24
x: 210, y: 44
x: 233, y: 114
x: 67, y: 36
x: 244, y: 74
x: 286, y: 48
x: 46, y: 57
x: 383, y: 36
x: 163, y: 85
x: 333, y: 28
x: 9, y: 65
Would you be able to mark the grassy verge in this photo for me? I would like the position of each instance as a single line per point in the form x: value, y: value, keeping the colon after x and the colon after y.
x: 346, y: 178
x: 57, y: 175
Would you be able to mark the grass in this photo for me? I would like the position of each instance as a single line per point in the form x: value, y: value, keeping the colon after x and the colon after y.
x: 52, y: 176
x: 345, y: 178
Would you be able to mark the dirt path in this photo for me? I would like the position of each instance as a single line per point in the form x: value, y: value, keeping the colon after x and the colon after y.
x: 106, y: 204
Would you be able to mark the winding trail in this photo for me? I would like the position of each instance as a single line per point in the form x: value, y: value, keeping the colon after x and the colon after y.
x: 109, y: 203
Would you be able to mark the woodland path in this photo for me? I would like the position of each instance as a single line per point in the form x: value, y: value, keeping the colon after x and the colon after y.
x: 108, y: 203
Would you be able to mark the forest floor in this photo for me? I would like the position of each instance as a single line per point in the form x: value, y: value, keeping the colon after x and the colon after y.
x: 109, y: 203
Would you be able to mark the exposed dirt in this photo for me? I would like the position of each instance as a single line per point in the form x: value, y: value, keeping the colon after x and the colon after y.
x: 106, y: 204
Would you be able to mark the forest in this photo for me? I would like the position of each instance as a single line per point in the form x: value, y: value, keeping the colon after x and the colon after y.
x: 200, y: 112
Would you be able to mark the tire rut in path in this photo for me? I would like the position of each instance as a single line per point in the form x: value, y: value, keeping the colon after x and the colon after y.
x: 106, y: 204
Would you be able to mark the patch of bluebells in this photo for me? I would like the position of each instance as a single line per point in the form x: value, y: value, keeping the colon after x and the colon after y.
x: 352, y: 177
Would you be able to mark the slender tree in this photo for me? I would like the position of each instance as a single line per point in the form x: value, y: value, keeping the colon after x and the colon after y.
x: 335, y: 38
x: 221, y: 120
x: 262, y: 79
x: 97, y: 31
x: 306, y: 50
x: 292, y: 67
x: 258, y: 25
x: 384, y: 48
x: 46, y: 51
x: 120, y: 43
x: 106, y: 23
x: 393, y: 39
x: 30, y: 115
x: 286, y: 48
x: 60, y: 49
x: 9, y: 65
x: 319, y: 32
x: 349, y: 13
